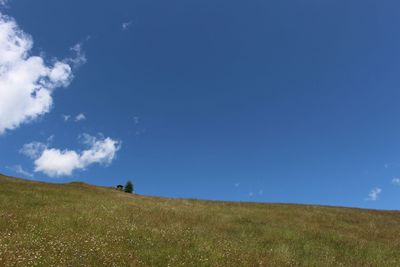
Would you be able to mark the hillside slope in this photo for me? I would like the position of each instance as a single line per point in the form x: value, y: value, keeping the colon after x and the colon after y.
x: 81, y: 225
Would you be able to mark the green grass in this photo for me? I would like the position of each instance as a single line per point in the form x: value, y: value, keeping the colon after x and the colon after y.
x: 81, y: 225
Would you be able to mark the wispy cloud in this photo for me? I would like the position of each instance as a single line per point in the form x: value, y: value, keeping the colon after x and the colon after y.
x: 19, y: 170
x: 391, y: 165
x: 136, y: 120
x: 396, y: 181
x: 33, y: 150
x: 138, y: 128
x: 77, y: 118
x: 56, y: 162
x: 374, y: 194
x: 79, y: 57
x: 80, y: 117
x: 27, y: 82
x: 66, y: 117
x: 126, y: 25
x: 386, y: 165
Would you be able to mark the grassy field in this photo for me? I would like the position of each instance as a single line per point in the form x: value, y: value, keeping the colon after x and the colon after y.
x: 81, y: 225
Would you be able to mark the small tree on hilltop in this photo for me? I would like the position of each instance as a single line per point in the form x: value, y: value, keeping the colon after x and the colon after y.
x: 129, y: 187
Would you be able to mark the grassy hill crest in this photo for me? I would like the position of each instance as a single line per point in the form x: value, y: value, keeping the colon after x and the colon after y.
x: 77, y: 224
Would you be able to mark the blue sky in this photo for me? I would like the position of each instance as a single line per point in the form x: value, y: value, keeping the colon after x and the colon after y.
x: 267, y: 101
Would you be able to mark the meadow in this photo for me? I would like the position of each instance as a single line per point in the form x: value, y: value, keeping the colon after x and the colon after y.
x: 77, y: 224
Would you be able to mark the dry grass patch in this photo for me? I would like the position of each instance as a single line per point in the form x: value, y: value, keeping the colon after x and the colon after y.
x: 82, y: 225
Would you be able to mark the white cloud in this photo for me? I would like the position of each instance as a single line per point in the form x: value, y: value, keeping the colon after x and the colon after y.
x: 126, y: 25
x: 396, y: 181
x: 80, y: 56
x: 26, y: 82
x: 55, y: 162
x: 66, y: 117
x: 374, y: 194
x: 101, y: 151
x: 33, y: 150
x: 80, y: 117
x: 18, y: 169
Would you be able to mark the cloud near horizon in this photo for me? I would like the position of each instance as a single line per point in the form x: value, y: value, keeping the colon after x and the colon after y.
x: 27, y: 82
x: 20, y: 170
x: 374, y: 194
x: 56, y: 162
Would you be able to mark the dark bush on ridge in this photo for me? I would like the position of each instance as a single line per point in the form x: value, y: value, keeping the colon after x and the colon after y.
x: 129, y: 187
